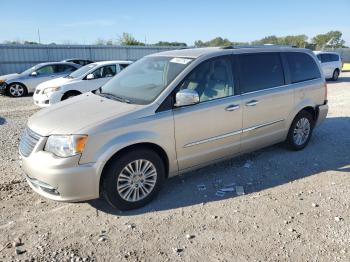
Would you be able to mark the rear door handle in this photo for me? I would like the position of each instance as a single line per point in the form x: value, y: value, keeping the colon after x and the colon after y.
x: 252, y: 103
x: 232, y: 107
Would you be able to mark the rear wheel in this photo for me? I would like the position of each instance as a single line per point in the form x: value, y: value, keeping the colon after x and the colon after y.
x: 335, y: 75
x: 17, y: 90
x: 133, y: 179
x: 300, y: 131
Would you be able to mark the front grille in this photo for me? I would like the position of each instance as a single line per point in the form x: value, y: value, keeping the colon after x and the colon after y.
x: 28, y: 142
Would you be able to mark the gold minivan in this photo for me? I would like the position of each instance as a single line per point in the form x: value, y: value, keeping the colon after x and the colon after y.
x: 169, y: 113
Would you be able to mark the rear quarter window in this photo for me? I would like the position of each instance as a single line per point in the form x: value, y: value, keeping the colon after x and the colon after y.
x: 302, y: 67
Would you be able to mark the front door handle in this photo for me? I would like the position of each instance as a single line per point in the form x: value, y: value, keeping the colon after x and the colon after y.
x: 252, y: 103
x: 232, y: 107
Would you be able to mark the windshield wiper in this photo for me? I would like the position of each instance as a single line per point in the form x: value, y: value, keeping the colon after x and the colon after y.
x: 112, y: 96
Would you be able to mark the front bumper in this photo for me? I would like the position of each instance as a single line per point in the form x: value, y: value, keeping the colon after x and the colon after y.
x: 3, y: 88
x: 44, y: 100
x: 322, y: 113
x: 61, y: 179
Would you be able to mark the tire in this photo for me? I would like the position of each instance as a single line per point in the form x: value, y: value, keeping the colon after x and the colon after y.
x: 17, y: 90
x: 303, y: 123
x: 335, y: 75
x: 120, y: 189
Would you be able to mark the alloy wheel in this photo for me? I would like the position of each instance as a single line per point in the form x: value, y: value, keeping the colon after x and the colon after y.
x: 136, y: 180
x: 301, y: 131
x: 16, y: 90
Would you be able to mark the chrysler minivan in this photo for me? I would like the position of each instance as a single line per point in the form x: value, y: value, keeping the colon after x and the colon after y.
x: 169, y: 113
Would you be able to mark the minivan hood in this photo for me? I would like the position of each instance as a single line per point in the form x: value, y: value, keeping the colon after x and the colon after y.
x: 9, y: 77
x: 74, y: 115
x: 54, y: 82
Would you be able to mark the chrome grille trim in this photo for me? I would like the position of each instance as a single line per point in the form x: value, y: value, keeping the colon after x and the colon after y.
x: 29, y: 140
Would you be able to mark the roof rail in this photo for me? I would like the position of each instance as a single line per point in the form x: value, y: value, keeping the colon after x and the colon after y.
x: 256, y: 46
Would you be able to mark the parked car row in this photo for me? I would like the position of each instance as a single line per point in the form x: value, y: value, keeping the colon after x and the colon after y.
x: 166, y: 114
x: 56, y: 81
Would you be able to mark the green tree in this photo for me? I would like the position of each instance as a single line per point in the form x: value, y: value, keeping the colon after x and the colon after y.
x: 330, y: 39
x: 128, y: 39
x: 166, y: 43
x: 218, y: 41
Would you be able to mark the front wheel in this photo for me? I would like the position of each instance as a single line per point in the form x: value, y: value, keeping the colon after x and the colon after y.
x: 133, y: 179
x: 300, y: 131
x: 17, y: 90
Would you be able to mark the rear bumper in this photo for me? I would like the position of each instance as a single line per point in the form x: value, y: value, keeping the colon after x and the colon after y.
x: 322, y: 113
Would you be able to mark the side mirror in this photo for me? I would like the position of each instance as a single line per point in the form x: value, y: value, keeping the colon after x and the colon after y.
x: 186, y: 97
x: 90, y: 77
x: 34, y: 74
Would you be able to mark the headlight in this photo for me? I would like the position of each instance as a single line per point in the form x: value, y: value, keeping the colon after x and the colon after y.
x: 65, y: 146
x: 51, y: 89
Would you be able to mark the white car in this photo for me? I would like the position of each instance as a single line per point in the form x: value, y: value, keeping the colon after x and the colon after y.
x: 85, y: 79
x: 331, y: 64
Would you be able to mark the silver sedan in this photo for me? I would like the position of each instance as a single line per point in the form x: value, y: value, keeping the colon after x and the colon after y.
x: 21, y: 84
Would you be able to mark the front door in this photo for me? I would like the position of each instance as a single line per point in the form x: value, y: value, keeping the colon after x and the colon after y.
x: 43, y: 74
x: 211, y: 129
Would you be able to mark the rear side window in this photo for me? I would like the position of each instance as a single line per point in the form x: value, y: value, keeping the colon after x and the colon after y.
x: 302, y: 67
x: 260, y: 71
x: 333, y: 57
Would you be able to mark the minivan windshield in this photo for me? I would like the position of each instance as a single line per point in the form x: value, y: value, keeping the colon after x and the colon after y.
x: 81, y: 71
x: 144, y: 80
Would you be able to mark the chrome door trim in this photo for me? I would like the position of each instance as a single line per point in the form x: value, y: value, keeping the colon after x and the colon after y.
x: 231, y: 134
x: 213, y: 138
x: 261, y: 125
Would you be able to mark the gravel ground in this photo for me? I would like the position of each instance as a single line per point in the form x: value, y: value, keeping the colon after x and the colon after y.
x: 295, y: 206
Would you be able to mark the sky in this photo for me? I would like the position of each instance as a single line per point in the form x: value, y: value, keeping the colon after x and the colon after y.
x: 85, y: 21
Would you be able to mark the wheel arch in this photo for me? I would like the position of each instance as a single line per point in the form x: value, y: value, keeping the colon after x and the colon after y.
x: 142, y: 145
x: 15, y: 82
x: 71, y: 91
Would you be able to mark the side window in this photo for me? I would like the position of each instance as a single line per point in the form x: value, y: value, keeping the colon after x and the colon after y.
x: 109, y: 71
x: 65, y: 69
x: 260, y: 71
x: 212, y: 79
x: 302, y: 67
x: 46, y: 70
x: 333, y: 57
x: 324, y: 58
x: 105, y: 71
x: 319, y: 56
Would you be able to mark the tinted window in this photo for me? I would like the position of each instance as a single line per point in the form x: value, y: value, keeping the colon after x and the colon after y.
x: 333, y: 57
x: 211, y: 79
x: 302, y: 67
x: 259, y: 71
x: 65, y: 69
